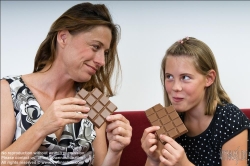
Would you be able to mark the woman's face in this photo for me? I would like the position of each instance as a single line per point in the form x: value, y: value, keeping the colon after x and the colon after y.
x: 185, y: 86
x: 84, y: 53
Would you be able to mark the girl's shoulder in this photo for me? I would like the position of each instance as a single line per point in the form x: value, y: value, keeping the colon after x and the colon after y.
x: 228, y: 110
x: 231, y: 118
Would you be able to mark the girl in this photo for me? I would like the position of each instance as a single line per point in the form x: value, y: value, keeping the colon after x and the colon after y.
x: 218, y: 131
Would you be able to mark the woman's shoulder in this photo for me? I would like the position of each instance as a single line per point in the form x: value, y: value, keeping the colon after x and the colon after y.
x: 5, y: 87
x: 13, y: 82
x: 11, y: 78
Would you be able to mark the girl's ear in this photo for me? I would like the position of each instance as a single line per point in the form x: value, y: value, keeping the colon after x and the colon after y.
x: 62, y: 38
x: 211, y: 75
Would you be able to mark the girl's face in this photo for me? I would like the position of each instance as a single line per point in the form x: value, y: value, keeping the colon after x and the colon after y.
x: 84, y: 53
x: 185, y: 86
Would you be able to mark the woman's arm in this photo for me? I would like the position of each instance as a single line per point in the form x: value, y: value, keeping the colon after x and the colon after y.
x: 100, y: 145
x: 234, y: 151
x: 59, y: 113
x: 28, y: 142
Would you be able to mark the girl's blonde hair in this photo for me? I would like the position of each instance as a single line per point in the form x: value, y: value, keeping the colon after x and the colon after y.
x: 204, y: 61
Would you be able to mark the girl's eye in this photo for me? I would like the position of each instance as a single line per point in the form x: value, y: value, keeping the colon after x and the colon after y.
x: 169, y: 77
x: 185, y: 77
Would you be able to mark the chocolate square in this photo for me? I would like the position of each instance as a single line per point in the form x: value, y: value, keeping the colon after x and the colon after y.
x: 100, y: 105
x: 168, y: 119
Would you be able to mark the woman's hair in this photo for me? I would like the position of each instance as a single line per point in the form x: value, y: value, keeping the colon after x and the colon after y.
x: 204, y: 61
x: 79, y: 18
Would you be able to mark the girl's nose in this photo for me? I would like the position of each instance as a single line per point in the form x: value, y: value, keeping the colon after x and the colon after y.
x: 177, y: 86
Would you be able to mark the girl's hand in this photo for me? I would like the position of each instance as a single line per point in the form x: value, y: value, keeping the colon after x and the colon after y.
x: 149, y: 144
x: 172, y: 153
x: 119, y: 132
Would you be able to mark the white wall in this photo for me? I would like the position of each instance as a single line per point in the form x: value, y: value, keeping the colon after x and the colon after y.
x: 148, y: 29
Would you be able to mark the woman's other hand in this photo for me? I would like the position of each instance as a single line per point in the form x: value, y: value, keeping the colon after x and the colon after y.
x: 119, y: 132
x: 149, y: 144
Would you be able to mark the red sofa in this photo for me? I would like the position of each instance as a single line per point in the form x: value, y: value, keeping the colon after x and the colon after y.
x: 133, y: 155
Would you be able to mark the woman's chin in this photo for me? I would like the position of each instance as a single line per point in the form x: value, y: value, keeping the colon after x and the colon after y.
x: 83, y: 79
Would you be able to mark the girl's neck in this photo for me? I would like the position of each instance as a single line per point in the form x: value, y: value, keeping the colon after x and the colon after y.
x: 197, y: 122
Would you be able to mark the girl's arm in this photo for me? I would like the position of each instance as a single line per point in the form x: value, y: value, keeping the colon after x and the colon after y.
x: 234, y: 151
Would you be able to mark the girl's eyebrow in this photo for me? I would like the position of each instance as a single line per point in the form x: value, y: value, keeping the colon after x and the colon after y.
x: 166, y: 74
x: 180, y: 74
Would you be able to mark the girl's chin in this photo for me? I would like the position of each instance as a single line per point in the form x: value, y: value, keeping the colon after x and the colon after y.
x: 179, y: 109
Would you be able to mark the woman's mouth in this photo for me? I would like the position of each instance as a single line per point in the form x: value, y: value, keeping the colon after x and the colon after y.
x: 91, y: 70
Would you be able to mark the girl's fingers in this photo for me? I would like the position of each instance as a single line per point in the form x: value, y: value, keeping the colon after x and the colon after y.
x: 149, y: 130
x: 152, y: 149
x: 170, y: 141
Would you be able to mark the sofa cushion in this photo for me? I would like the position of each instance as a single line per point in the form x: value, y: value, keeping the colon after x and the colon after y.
x: 133, y: 155
x: 246, y: 112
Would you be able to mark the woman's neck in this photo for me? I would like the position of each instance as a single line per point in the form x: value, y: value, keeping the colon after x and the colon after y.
x: 54, y: 85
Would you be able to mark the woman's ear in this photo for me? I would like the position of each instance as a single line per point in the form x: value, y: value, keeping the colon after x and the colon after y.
x: 210, y: 77
x: 62, y: 38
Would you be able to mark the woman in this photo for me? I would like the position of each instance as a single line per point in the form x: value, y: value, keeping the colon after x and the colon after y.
x: 40, y: 122
x: 218, y: 132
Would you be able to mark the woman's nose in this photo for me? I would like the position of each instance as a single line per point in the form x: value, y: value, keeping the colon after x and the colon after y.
x: 100, y: 59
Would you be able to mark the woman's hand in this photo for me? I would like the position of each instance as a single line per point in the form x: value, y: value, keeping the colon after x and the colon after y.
x: 172, y: 153
x: 119, y: 132
x: 62, y: 112
x: 149, y: 144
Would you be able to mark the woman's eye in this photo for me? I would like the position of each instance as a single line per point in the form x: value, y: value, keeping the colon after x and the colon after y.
x: 96, y: 47
x: 106, y: 53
